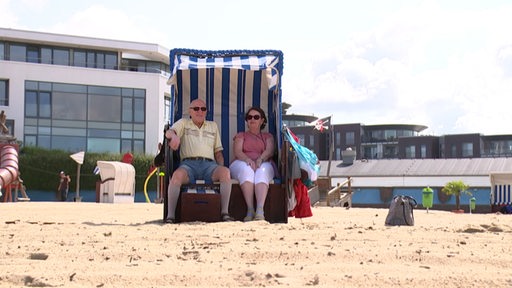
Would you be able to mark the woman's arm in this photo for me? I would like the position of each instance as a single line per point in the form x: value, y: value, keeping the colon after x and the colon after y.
x: 238, y: 149
x: 269, y: 149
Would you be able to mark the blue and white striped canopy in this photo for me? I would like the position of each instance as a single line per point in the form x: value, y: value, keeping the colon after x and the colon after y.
x: 501, y: 195
x: 269, y: 61
x: 230, y: 82
x: 501, y: 192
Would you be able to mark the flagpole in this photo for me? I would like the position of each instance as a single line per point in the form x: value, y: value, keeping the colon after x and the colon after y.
x: 331, y: 147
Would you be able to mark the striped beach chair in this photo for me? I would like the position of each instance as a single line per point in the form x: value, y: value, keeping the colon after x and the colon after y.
x: 501, y: 187
x: 230, y: 81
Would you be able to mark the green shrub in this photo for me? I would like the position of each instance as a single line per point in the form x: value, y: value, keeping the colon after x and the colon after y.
x: 39, y: 168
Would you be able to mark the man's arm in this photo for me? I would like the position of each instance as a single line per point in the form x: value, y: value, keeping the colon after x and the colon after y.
x: 219, y: 157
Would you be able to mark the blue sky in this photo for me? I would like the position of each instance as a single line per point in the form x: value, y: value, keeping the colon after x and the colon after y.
x: 444, y: 64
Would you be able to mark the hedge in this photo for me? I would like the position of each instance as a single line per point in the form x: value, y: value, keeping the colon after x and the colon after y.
x: 39, y: 168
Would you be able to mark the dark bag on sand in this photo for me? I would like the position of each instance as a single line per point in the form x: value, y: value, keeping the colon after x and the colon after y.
x: 401, y: 211
x: 507, y: 209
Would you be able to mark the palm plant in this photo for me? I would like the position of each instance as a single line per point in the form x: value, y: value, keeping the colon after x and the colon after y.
x: 456, y: 188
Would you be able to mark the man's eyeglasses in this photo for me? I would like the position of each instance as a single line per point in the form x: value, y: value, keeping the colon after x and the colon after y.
x: 197, y: 108
x: 256, y: 117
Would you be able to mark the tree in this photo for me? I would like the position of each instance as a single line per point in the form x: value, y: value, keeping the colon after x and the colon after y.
x: 285, y: 106
x: 456, y: 188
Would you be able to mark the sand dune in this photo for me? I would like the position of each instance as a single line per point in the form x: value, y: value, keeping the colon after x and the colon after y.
x: 53, y: 244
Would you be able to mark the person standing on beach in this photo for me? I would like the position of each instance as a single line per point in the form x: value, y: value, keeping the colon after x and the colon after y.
x: 201, y: 157
x: 64, y: 186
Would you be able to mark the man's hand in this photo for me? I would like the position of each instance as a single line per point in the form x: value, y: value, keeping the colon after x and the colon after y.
x: 173, y: 139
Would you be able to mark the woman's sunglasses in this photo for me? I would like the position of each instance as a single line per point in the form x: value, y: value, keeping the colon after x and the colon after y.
x: 197, y: 108
x: 256, y: 117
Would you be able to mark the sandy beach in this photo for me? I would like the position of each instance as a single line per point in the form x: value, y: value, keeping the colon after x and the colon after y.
x: 51, y: 244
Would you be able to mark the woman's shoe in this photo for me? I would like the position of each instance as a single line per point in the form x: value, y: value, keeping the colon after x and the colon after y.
x: 249, y: 216
x: 259, y: 215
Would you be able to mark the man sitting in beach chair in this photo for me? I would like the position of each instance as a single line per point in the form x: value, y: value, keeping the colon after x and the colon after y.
x: 201, y: 157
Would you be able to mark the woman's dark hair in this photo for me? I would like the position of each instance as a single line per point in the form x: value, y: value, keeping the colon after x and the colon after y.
x: 262, y: 114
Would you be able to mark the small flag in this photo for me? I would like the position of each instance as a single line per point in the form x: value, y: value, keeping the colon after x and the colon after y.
x: 321, y: 124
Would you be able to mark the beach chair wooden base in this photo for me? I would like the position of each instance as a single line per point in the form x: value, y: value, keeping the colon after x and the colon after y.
x: 276, y: 209
x: 199, y: 207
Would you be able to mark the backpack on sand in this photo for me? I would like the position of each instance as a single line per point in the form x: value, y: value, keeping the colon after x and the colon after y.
x: 401, y: 211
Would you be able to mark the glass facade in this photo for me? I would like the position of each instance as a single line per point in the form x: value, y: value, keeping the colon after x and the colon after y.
x: 77, y: 57
x: 83, y: 117
x: 144, y: 66
x: 388, y: 135
x: 59, y: 56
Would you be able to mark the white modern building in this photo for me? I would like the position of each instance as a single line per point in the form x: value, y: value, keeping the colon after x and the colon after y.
x: 83, y: 94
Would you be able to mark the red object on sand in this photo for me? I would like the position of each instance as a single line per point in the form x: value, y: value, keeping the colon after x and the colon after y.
x: 303, y: 207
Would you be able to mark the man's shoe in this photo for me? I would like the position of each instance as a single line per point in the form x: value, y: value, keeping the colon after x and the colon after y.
x: 169, y: 221
x: 226, y: 218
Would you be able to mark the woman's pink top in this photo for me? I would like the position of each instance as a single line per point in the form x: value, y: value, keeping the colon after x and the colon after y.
x: 254, y: 145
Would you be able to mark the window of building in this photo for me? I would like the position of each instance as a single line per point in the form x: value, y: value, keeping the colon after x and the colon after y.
x: 37, y: 104
x: 410, y: 152
x: 311, y: 141
x: 167, y: 109
x: 370, y: 152
x: 508, y: 147
x: 46, y: 56
x: 104, y: 108
x: 338, y: 138
x: 467, y: 149
x: 2, y: 51
x: 92, y: 60
x: 4, y: 92
x: 9, y: 123
x: 406, y: 133
x: 101, y: 61
x: 110, y: 61
x: 44, y: 105
x: 390, y: 151
x: 80, y: 117
x: 350, y: 138
x: 390, y: 135
x: 33, y: 55
x: 138, y: 110
x: 79, y: 58
x: 453, y: 150
x: 63, y: 100
x: 423, y: 151
x: 61, y: 56
x: 494, y: 148
x: 17, y: 52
